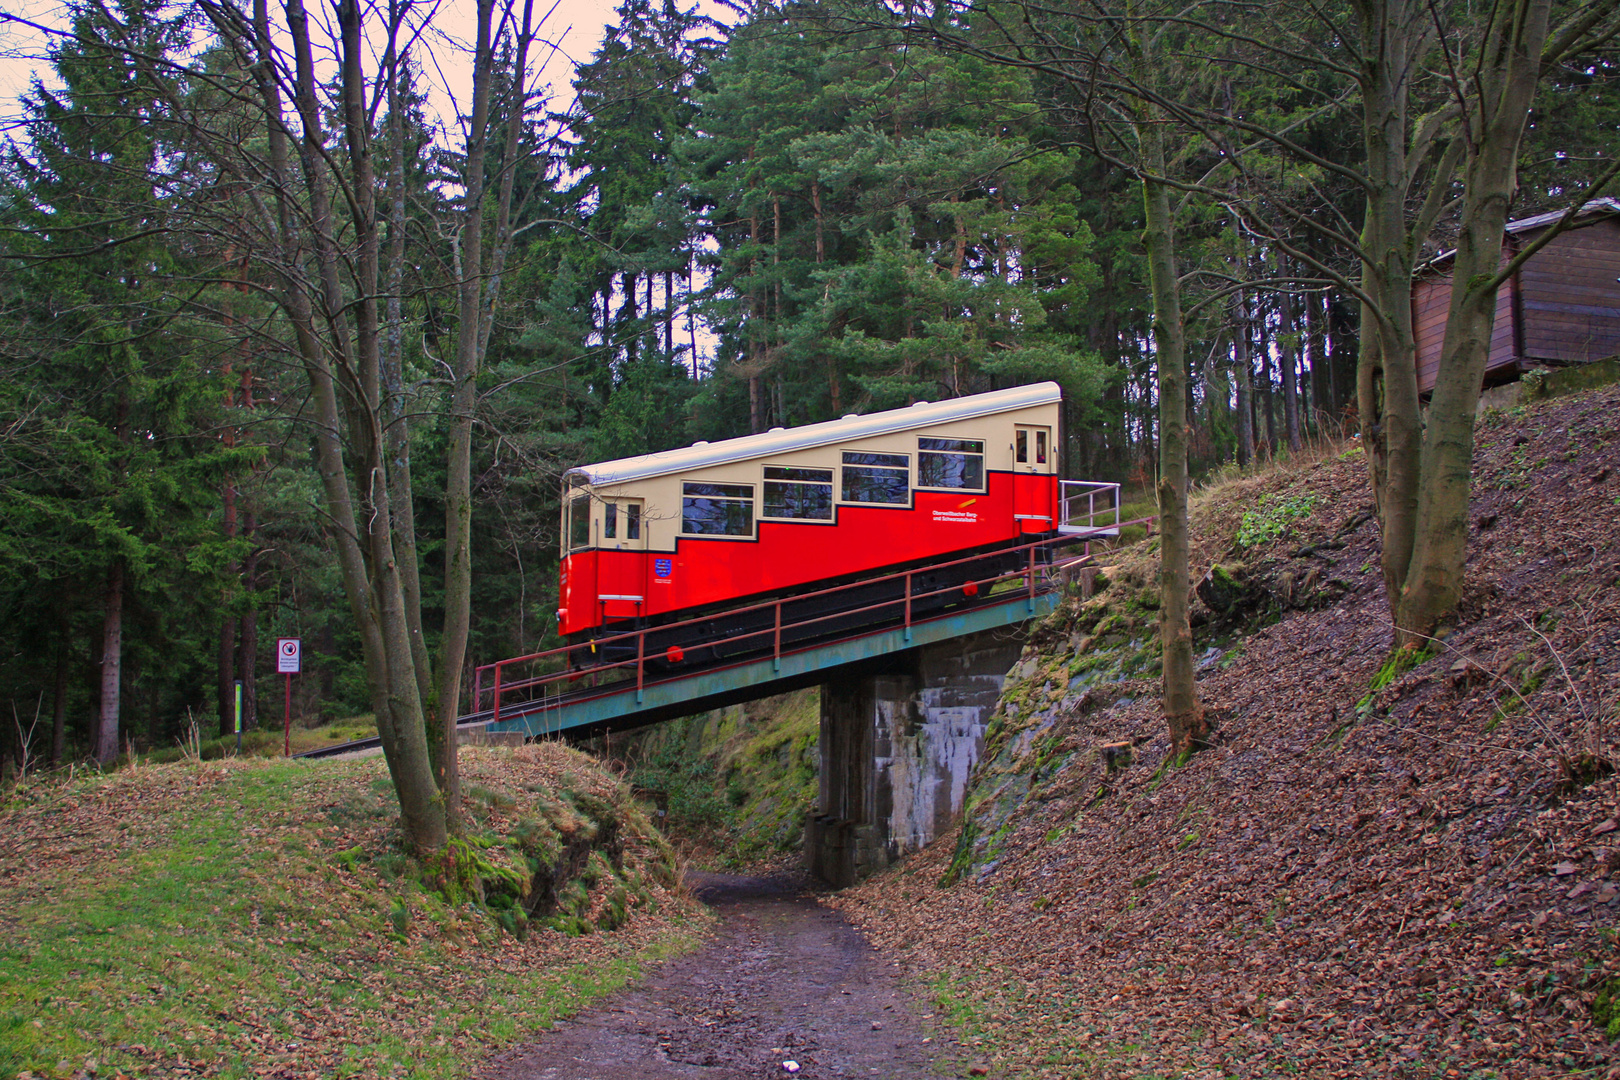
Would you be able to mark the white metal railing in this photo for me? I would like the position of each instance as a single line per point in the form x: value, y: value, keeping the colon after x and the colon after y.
x: 1088, y: 507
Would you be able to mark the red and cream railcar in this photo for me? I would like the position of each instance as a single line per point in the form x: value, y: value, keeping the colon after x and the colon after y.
x: 663, y: 536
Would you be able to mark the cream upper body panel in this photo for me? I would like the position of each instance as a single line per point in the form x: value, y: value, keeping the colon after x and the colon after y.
x: 657, y: 481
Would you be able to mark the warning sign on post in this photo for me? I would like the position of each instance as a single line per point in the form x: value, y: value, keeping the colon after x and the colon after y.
x: 287, y: 656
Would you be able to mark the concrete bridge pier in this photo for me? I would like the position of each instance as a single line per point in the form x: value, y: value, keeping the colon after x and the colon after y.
x: 897, y: 748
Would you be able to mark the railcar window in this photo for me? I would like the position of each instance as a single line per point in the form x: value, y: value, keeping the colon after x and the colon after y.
x: 632, y: 521
x: 610, y: 521
x: 579, y: 523
x: 717, y: 509
x: 1021, y: 440
x: 876, y: 478
x: 950, y: 463
x: 798, y: 493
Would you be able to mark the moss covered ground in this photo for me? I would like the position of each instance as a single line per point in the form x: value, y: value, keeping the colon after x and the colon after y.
x: 734, y: 785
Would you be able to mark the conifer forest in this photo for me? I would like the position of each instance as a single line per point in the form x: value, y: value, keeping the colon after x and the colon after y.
x: 292, y: 345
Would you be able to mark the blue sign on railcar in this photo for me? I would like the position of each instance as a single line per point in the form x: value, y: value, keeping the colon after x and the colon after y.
x: 662, y: 568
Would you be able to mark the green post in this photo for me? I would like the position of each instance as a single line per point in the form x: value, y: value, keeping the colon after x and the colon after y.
x: 239, y: 717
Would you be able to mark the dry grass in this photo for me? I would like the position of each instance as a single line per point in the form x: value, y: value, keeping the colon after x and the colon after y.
x: 1404, y: 870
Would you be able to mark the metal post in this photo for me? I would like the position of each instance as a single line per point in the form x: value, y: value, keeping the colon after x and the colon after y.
x: 286, y: 720
x: 497, y: 692
x: 1031, y: 600
x: 776, y: 653
x: 478, y: 689
x: 239, y: 717
x: 908, y: 606
x: 641, y: 667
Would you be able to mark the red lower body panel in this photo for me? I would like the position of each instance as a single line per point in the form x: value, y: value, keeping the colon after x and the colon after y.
x: 602, y: 586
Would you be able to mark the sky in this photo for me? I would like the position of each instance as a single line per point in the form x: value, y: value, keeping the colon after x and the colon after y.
x: 576, y: 26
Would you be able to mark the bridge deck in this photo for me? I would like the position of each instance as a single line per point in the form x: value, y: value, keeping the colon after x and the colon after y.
x: 624, y: 704
x: 779, y: 644
x: 540, y: 694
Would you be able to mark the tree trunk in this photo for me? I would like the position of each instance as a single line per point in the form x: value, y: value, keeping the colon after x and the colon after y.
x: 1386, y: 369
x: 1302, y: 387
x: 248, y: 639
x: 463, y: 403
x: 1188, y: 726
x: 59, y: 693
x: 1245, y: 381
x: 691, y: 323
x: 105, y: 746
x: 226, y: 667
x: 628, y: 313
x: 756, y: 308
x: 1387, y: 397
x: 1343, y: 344
x: 396, y: 414
x: 1506, y: 87
x: 363, y: 534
x: 1218, y: 407
x: 479, y: 294
x: 1115, y: 439
x: 1267, y: 394
x: 669, y: 313
x: 1288, y: 348
x: 1322, y: 404
x: 225, y: 673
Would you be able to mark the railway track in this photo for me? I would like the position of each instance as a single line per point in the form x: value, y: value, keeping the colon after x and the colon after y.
x: 516, y: 709
x: 466, y: 723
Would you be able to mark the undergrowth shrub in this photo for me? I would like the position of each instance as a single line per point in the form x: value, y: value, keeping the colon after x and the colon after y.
x: 687, y: 785
x: 1272, y: 516
x: 559, y: 863
x: 1606, y: 1009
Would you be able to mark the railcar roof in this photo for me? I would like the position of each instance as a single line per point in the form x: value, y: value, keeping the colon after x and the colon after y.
x: 786, y: 440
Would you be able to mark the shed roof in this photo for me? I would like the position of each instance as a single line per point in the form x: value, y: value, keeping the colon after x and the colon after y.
x: 777, y: 441
x: 1595, y: 208
x: 1604, y: 205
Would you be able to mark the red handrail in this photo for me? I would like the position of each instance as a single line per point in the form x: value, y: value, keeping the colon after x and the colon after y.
x: 909, y: 595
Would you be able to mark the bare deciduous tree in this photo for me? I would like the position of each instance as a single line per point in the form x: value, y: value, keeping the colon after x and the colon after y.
x: 310, y: 221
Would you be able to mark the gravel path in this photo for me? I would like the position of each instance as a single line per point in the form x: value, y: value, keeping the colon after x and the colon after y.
x: 784, y: 980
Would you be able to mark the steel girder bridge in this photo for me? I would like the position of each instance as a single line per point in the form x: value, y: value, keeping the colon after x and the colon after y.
x: 546, y: 694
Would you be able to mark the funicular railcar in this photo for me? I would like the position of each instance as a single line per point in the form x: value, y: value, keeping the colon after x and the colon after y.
x: 665, y: 537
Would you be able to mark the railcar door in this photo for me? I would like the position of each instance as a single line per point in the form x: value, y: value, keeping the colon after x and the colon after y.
x: 1033, y: 469
x: 622, y: 579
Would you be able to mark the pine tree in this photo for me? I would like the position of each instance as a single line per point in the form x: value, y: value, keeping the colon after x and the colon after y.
x: 111, y: 483
x: 634, y: 99
x: 884, y: 234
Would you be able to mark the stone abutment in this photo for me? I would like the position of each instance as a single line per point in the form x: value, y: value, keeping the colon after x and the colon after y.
x: 897, y: 748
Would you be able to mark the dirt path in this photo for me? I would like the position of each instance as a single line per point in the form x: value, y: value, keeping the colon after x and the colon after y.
x: 785, y: 979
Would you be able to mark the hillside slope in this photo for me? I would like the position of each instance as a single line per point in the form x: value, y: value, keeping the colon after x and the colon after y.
x: 1380, y: 868
x: 258, y: 919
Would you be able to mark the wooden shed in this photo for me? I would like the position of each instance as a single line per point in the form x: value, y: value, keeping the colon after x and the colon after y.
x: 1561, y: 308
